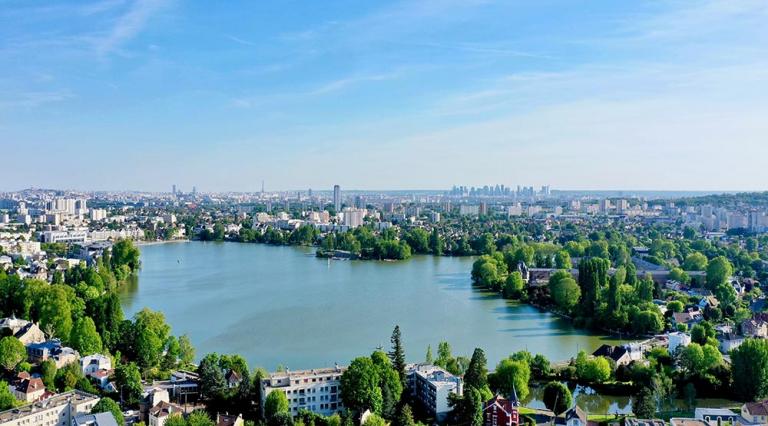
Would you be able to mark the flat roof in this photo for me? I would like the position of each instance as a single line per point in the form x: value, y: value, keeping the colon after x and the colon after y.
x: 75, y: 396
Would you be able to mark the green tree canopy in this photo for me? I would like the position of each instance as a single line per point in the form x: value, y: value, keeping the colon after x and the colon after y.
x: 557, y: 397
x: 750, y: 369
x: 12, y: 352
x: 108, y: 405
x: 275, y: 403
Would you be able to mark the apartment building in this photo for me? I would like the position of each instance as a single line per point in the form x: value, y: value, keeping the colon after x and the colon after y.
x: 58, y: 410
x: 431, y: 385
x: 317, y: 390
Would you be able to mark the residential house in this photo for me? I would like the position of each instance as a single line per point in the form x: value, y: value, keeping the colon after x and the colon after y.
x: 677, y: 340
x: 160, y: 413
x: 229, y: 420
x: 755, y: 412
x: 151, y: 398
x: 52, y: 349
x: 233, y: 379
x: 499, y: 411
x: 679, y: 421
x: 729, y: 341
x: 755, y: 328
x: 622, y: 355
x: 28, y: 389
x: 644, y: 422
x: 716, y: 415
x: 93, y: 363
x: 574, y: 416
x: 708, y: 302
x: 26, y: 331
x: 689, y: 317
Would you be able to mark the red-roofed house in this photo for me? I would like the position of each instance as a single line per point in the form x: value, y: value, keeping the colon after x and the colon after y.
x: 500, y: 411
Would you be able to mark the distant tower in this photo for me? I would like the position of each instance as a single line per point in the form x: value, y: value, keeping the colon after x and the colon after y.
x: 337, y: 198
x: 174, y: 189
x: 262, y: 186
x: 194, y: 190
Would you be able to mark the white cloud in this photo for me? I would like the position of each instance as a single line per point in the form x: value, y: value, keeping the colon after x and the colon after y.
x: 129, y: 24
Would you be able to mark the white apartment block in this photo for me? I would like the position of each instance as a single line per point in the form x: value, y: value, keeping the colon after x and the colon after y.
x: 59, y: 410
x: 317, y: 390
x: 431, y: 386
x: 469, y: 210
x: 76, y: 237
x: 98, y: 214
x: 354, y: 217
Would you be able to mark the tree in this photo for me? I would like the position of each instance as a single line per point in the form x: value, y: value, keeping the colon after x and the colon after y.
x: 186, y: 350
x: 468, y: 409
x: 56, y: 312
x: 540, y: 366
x: 374, y: 420
x: 750, y: 369
x: 513, y: 286
x: 677, y: 274
x: 124, y: 252
x: 85, y: 339
x: 595, y: 370
x: 436, y: 243
x: 212, y: 382
x: 476, y: 375
x: 360, y: 386
x: 276, y: 403
x: 644, y: 404
x: 564, y: 290
x: 7, y: 400
x: 281, y: 419
x: 557, y: 397
x: 389, y: 383
x: 48, y: 373
x: 593, y: 277
x: 718, y: 272
x: 404, y: 416
x: 108, y: 405
x: 128, y: 382
x: 12, y: 352
x: 199, y: 418
x: 397, y: 355
x: 512, y: 376
x: 563, y: 260
x: 675, y: 306
x: 68, y: 376
x: 428, y: 357
x: 695, y: 262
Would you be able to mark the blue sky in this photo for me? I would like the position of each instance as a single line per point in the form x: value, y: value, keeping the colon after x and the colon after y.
x: 141, y: 94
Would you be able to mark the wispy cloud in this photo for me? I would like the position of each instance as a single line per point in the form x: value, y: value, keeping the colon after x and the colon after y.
x: 129, y: 25
x: 239, y: 40
x: 33, y: 99
x: 329, y: 87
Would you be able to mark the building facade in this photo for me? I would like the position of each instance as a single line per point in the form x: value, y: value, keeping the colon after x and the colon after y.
x: 430, y: 386
x: 58, y: 410
x: 317, y: 390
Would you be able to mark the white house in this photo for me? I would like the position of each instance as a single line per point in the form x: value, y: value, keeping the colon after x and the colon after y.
x: 678, y: 339
x: 93, y: 363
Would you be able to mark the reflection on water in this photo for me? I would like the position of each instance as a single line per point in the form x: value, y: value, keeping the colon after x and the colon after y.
x: 280, y: 305
x: 593, y: 403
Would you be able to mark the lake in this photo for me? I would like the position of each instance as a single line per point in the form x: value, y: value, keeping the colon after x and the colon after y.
x: 283, y: 306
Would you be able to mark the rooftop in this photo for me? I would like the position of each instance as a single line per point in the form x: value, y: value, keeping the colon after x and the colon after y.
x: 57, y: 400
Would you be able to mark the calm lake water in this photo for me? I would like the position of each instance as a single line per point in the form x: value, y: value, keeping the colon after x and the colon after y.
x: 282, y: 305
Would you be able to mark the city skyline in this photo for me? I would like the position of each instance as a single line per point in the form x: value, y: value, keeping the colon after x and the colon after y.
x: 139, y: 95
